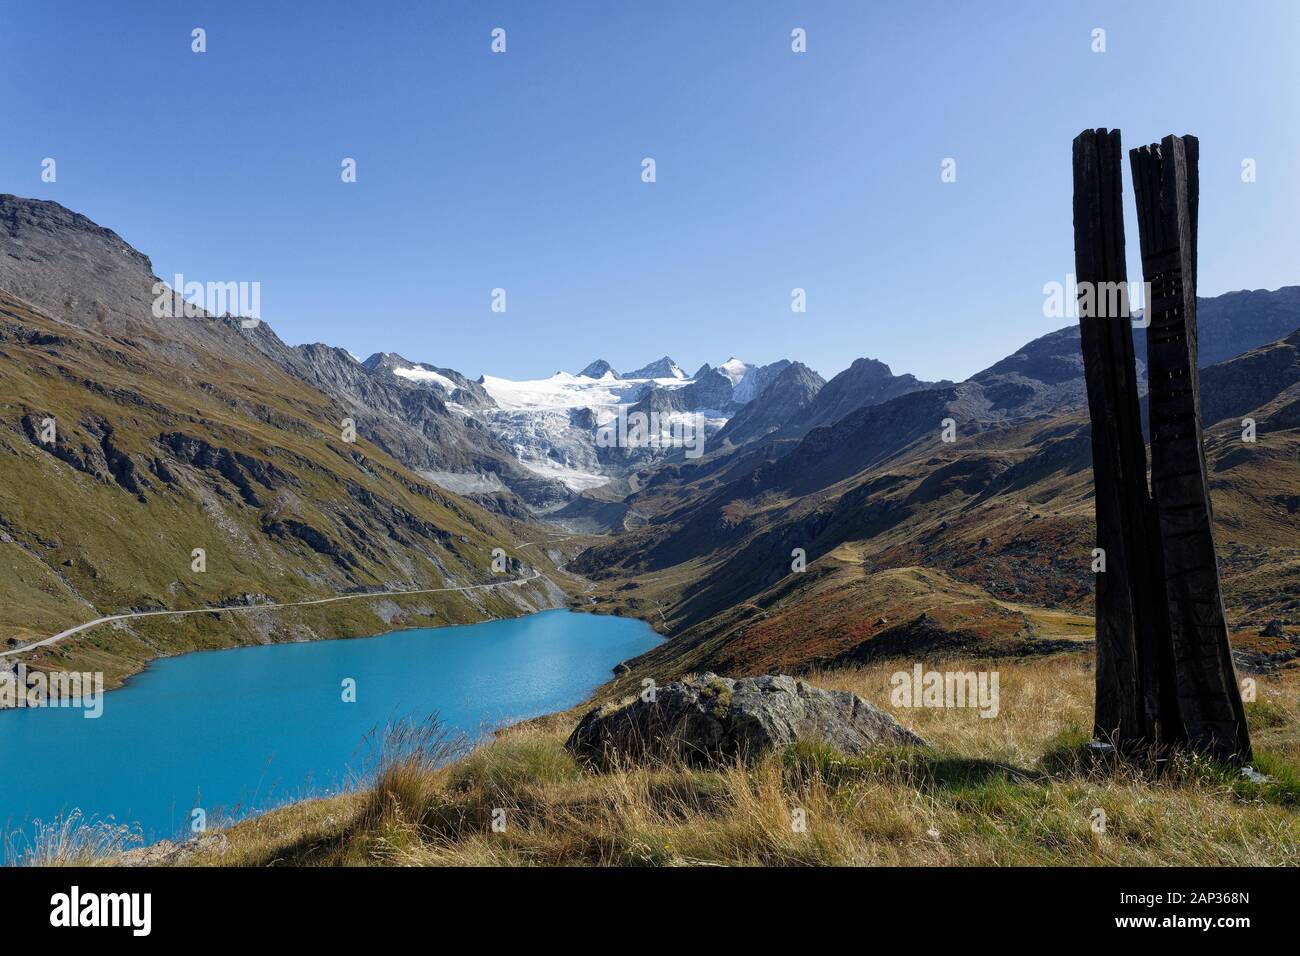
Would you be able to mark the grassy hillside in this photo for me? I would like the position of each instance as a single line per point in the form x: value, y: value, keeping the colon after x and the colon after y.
x: 1014, y: 789
x: 980, y: 544
x: 159, y: 453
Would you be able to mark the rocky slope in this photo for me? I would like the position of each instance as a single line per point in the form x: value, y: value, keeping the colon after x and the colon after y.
x: 420, y: 415
x: 782, y: 400
x: 1046, y: 375
x: 865, y: 382
x: 1265, y: 378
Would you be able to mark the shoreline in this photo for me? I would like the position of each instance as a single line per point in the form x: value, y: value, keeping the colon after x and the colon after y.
x: 339, y: 626
x: 355, y: 782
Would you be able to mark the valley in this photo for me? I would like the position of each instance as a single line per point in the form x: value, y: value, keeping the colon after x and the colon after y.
x: 826, y: 522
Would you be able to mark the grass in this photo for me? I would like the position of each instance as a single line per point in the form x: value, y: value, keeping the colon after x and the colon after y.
x: 1010, y: 790
x: 70, y: 840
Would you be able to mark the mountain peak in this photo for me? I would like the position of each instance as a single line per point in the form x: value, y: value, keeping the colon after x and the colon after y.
x: 869, y: 368
x: 780, y: 391
x: 20, y: 216
x: 735, y: 369
x: 660, y: 368
x: 84, y: 274
x: 598, y: 369
x: 386, y: 360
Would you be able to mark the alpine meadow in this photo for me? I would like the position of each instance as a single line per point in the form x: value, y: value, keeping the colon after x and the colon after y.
x: 569, y: 435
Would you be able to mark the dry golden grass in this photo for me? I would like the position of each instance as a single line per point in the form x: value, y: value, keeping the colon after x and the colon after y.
x: 1010, y: 790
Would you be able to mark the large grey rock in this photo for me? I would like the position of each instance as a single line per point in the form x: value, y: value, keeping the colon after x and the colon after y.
x: 709, y: 718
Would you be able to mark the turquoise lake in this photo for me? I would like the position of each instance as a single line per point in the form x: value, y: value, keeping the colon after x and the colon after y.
x: 247, y: 729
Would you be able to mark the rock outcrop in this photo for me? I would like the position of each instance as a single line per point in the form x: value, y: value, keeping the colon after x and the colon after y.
x: 707, y: 719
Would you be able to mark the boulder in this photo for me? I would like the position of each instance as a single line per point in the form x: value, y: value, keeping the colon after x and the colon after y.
x: 707, y: 719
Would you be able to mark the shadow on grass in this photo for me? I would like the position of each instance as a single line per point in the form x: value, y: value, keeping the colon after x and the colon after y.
x: 921, y: 768
x: 1270, y: 777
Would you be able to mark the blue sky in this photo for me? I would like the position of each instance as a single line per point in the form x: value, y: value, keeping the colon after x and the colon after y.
x: 775, y: 170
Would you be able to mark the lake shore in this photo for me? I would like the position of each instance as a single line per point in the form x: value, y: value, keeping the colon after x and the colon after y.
x: 239, y: 733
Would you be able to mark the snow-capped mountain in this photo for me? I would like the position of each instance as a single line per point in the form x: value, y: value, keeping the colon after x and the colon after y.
x: 552, y: 424
x: 423, y: 417
x: 735, y: 369
x: 560, y: 428
x: 454, y: 388
x: 660, y: 368
x: 565, y: 429
x: 598, y: 369
x: 756, y: 380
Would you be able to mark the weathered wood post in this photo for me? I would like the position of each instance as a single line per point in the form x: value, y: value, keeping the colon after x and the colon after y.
x: 1166, y: 183
x: 1134, y: 704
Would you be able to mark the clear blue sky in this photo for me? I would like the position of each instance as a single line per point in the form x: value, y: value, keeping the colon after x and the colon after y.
x: 523, y: 170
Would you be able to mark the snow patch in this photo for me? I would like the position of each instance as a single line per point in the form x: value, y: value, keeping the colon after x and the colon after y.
x: 735, y: 370
x: 563, y: 390
x: 417, y: 374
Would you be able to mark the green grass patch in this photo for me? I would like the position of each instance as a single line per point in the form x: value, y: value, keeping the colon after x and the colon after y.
x: 507, y: 765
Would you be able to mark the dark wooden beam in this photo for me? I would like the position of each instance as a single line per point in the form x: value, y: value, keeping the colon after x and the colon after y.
x: 1133, y: 701
x: 1210, y: 711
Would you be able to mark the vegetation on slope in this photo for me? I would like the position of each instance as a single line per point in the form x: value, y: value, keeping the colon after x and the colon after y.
x: 156, y: 456
x: 1015, y: 789
x: 989, y: 538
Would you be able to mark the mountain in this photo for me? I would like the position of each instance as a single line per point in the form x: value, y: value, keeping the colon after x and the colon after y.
x: 1229, y: 324
x: 735, y: 371
x: 598, y: 369
x: 756, y: 380
x: 661, y: 368
x: 79, y: 272
x: 713, y: 393
x: 1051, y: 366
x: 865, y: 382
x: 972, y: 496
x: 455, y: 389
x: 915, y: 544
x: 1045, y: 376
x: 1266, y: 379
x: 550, y: 424
x: 554, y: 426
x: 420, y: 415
x: 1042, y: 376
x: 752, y: 426
x: 782, y: 400
x: 174, y: 462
